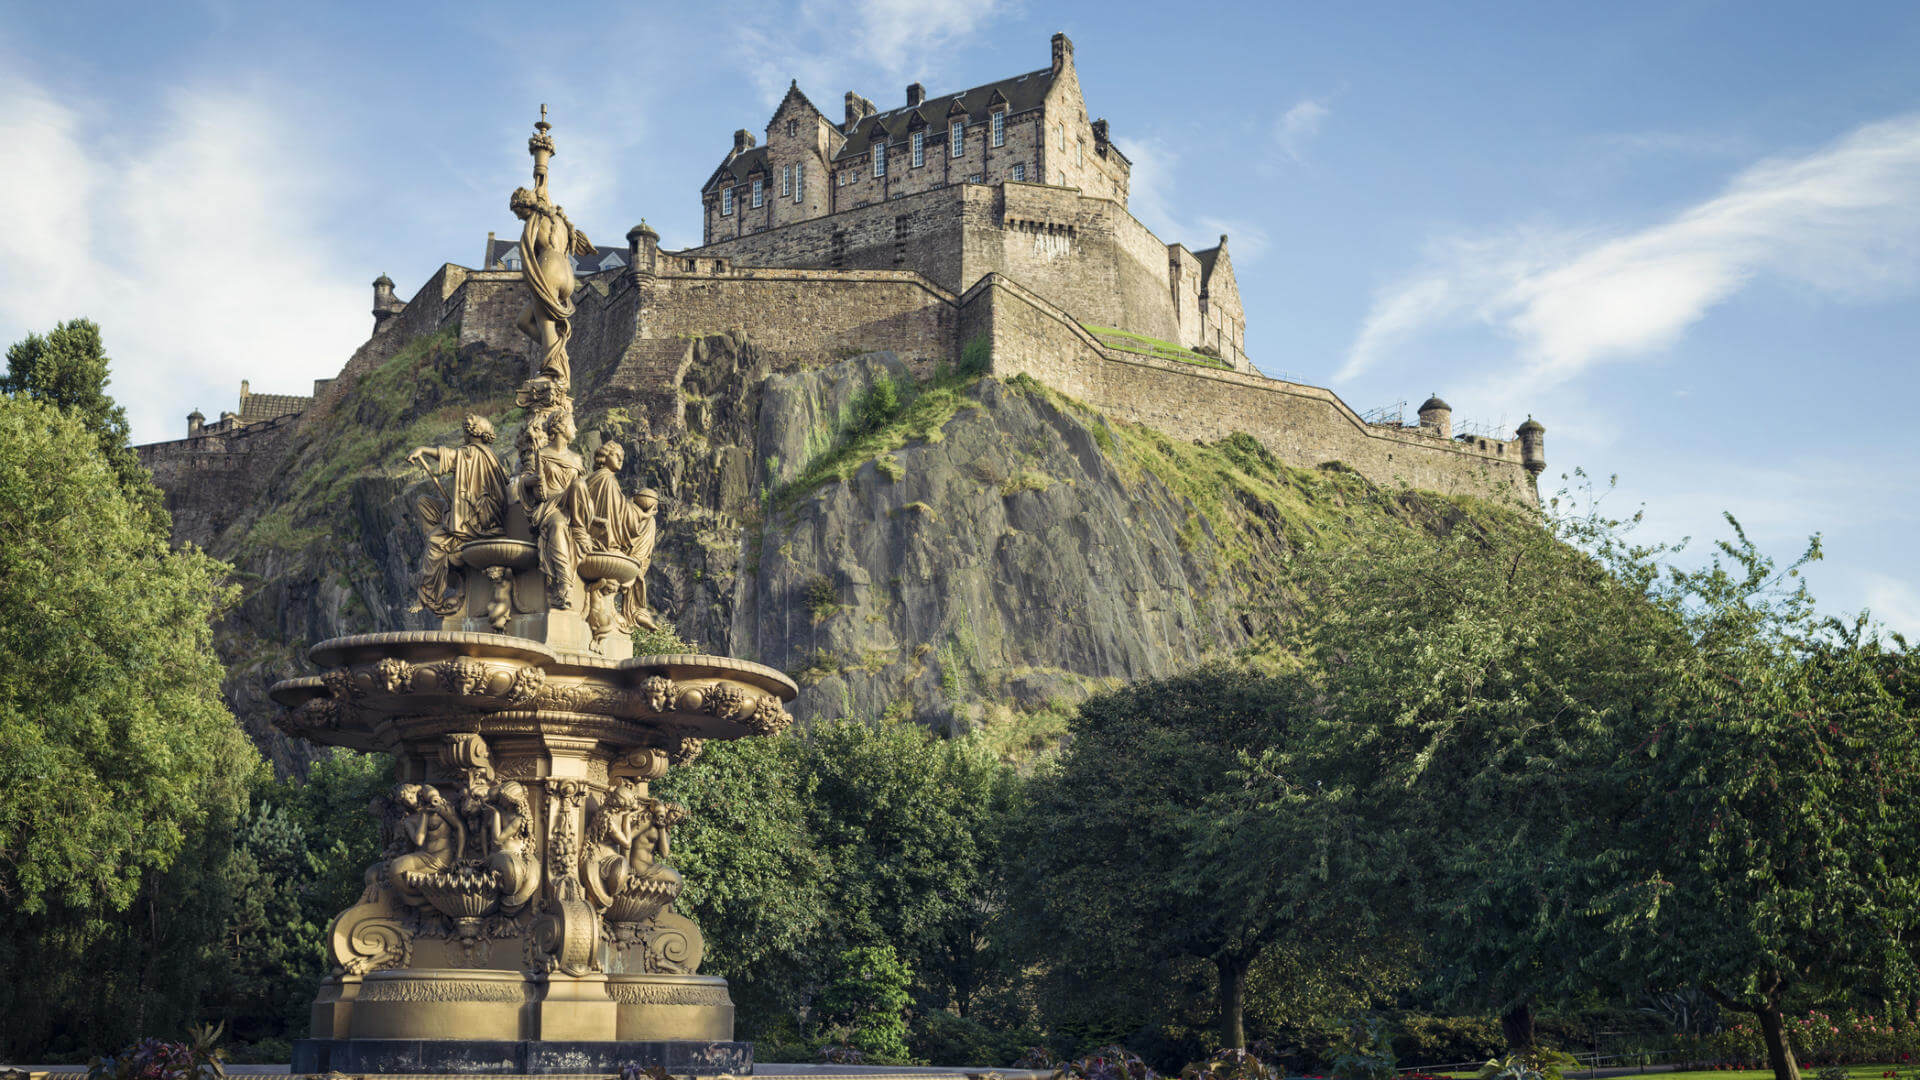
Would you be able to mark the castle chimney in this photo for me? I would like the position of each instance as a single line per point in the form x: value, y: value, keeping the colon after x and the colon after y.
x: 1436, y: 416
x: 858, y: 109
x: 1533, y: 446
x: 1100, y: 135
x: 195, y: 421
x: 643, y: 248
x: 244, y: 392
x: 742, y: 142
x: 385, y: 304
x: 487, y: 261
x: 1062, y: 53
x: 915, y: 95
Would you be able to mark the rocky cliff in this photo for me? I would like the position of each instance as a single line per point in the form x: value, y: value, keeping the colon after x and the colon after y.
x: 959, y: 550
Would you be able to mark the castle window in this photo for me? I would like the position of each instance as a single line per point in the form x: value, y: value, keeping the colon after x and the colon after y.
x: 973, y: 179
x: 1020, y: 170
x: 919, y: 148
x: 786, y: 180
x: 879, y: 159
x: 1060, y: 136
x: 793, y: 127
x: 799, y: 181
x: 999, y: 127
x: 1079, y: 153
x: 957, y: 138
x: 726, y: 200
x: 759, y: 196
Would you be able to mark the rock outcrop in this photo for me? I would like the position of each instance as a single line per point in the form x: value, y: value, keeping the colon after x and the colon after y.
x: 955, y: 551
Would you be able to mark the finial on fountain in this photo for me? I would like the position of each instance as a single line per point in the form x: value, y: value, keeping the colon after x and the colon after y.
x: 541, y: 147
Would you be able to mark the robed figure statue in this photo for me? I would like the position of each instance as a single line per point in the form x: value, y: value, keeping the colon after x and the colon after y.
x: 466, y: 511
x: 623, y: 525
x: 547, y: 245
x: 549, y: 488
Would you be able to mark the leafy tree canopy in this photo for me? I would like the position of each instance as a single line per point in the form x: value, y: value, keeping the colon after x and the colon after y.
x: 114, y: 740
x: 68, y: 368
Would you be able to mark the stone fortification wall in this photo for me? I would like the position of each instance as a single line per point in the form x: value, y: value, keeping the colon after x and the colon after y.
x: 1302, y: 425
x: 1086, y: 255
x: 636, y: 335
x: 209, y: 480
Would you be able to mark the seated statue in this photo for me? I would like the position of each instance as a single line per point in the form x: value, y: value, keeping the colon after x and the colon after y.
x: 623, y: 525
x: 468, y: 510
x: 434, y: 834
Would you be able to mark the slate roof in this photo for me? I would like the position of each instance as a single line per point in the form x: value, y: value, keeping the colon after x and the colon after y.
x: 740, y: 167
x: 1022, y: 92
x: 257, y: 407
x: 582, y: 264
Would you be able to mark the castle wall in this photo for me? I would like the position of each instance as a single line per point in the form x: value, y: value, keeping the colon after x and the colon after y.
x: 1302, y: 425
x: 208, y: 480
x: 1087, y: 255
x: 1070, y: 154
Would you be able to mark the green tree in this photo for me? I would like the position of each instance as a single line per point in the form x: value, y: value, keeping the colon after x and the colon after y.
x: 755, y: 882
x: 1124, y: 856
x: 1774, y: 806
x: 1471, y: 678
x: 122, y: 774
x: 911, y: 825
x: 868, y: 997
x: 68, y: 367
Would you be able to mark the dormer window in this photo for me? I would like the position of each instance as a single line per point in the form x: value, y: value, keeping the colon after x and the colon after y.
x: 919, y: 148
x: 999, y: 127
x: 759, y: 196
x: 879, y: 157
x: 726, y: 201
x: 957, y: 137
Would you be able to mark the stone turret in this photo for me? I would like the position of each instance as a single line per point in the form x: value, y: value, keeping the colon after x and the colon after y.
x: 643, y: 251
x: 385, y: 304
x: 1062, y: 53
x: 1533, y: 446
x: 1437, y: 416
x: 195, y: 421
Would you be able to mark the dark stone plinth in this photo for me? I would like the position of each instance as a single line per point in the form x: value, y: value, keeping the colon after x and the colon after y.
x: 482, y: 1057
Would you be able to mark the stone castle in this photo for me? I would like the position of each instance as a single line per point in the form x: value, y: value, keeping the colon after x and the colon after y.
x: 988, y: 225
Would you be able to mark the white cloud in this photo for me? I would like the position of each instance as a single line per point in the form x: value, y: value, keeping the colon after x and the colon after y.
x: 1895, y: 603
x: 186, y: 239
x: 899, y: 39
x: 1298, y: 125
x: 1151, y: 198
x: 1844, y: 220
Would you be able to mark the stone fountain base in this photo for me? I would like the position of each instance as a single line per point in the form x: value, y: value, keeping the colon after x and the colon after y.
x: 526, y: 1057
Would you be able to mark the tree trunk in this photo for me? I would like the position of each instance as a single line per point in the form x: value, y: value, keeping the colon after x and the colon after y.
x: 1233, y: 1002
x: 1517, y: 1025
x: 1779, y: 1054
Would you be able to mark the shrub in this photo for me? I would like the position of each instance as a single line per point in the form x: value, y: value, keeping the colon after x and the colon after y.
x: 1110, y: 1063
x: 868, y: 995
x: 152, y: 1059
x: 1366, y: 1052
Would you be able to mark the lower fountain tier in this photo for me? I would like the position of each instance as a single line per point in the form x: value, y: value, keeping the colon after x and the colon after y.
x: 525, y: 1057
x: 471, y: 1019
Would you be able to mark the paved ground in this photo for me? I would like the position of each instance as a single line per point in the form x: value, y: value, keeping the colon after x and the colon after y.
x: 768, y: 1069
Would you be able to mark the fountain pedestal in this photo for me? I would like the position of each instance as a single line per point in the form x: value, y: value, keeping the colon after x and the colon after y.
x: 522, y: 919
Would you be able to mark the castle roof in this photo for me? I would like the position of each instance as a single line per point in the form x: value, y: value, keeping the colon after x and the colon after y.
x: 1434, y: 402
x: 257, y: 407
x: 603, y: 258
x: 1019, y: 92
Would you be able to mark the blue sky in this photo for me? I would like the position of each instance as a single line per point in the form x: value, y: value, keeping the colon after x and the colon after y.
x: 1685, y: 236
